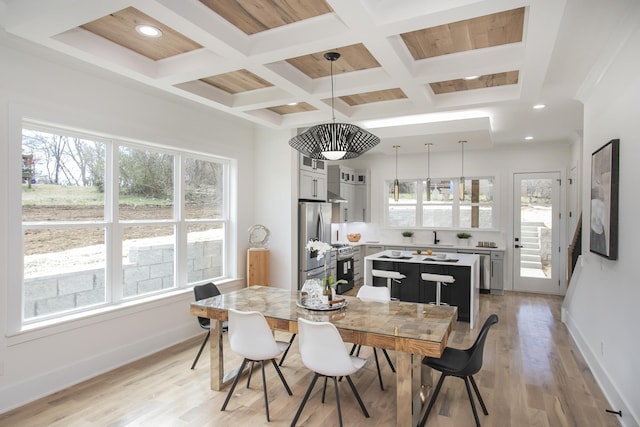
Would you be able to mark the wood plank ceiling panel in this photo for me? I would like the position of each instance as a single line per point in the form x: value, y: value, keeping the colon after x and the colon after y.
x: 291, y: 109
x: 353, y: 58
x: 488, y: 80
x: 255, y: 16
x: 237, y: 81
x: 120, y: 28
x: 376, y: 96
x: 476, y: 33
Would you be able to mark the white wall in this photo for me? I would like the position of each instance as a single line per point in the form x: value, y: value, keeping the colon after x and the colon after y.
x: 275, y: 183
x: 500, y: 162
x: 40, y: 86
x: 601, y: 307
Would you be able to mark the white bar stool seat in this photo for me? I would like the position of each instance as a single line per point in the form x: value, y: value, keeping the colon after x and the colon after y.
x: 389, y: 275
x: 439, y: 279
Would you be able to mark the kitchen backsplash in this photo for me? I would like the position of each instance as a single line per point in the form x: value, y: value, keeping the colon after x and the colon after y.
x: 371, y: 233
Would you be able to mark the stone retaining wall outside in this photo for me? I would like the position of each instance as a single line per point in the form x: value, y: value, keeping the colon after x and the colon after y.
x: 149, y: 269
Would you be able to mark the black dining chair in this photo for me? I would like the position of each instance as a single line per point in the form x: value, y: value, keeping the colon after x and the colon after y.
x: 200, y: 292
x: 462, y: 364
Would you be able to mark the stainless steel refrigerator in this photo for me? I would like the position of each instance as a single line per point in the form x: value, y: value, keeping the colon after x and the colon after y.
x: 314, y: 223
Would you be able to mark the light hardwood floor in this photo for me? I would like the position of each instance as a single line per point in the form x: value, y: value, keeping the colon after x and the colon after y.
x: 533, y: 375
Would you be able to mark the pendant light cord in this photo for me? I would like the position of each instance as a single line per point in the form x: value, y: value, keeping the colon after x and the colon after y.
x: 429, y: 144
x: 428, y: 162
x: 396, y: 162
x: 333, y: 111
x: 462, y: 159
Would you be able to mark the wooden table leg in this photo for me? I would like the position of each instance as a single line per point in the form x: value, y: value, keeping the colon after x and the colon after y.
x: 404, y: 386
x: 217, y: 356
x: 408, y: 381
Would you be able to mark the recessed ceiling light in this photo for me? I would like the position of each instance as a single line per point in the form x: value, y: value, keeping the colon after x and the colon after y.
x: 471, y: 77
x: 292, y: 104
x: 539, y: 106
x: 148, y: 30
x: 528, y: 138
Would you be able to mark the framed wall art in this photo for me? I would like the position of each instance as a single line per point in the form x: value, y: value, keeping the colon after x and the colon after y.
x: 603, y: 239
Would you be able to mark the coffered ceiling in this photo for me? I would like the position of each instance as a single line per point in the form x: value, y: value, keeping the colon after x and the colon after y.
x: 262, y: 60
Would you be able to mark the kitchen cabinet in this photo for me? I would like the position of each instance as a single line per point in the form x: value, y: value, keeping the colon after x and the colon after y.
x: 406, y: 289
x: 340, y: 181
x: 312, y: 186
x: 343, y: 212
x: 312, y: 179
x: 353, y: 186
x: 358, y: 266
x: 414, y: 289
x: 361, y: 210
x: 497, y: 273
x: 455, y: 294
x: 313, y: 165
x: 462, y: 293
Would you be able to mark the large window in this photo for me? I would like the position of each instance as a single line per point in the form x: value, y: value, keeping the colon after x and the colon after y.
x: 438, y: 204
x: 105, y: 221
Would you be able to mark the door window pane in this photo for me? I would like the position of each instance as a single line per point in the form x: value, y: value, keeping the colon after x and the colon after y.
x: 146, y: 184
x: 536, y: 220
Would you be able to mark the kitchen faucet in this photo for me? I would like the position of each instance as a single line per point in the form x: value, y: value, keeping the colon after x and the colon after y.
x: 435, y: 237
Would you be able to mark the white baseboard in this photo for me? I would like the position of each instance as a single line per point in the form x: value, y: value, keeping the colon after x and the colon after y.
x: 19, y: 394
x: 612, y: 395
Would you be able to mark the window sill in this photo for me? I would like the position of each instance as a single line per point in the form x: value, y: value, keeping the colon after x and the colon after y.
x: 58, y: 325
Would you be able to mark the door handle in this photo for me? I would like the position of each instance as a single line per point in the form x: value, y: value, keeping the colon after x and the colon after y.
x: 517, y: 246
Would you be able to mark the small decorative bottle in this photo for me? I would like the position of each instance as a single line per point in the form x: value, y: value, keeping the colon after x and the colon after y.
x: 327, y: 294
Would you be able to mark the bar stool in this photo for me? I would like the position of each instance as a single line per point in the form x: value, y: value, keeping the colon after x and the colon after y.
x: 389, y: 275
x: 440, y: 279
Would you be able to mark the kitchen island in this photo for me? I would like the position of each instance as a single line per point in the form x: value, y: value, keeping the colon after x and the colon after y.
x: 464, y: 293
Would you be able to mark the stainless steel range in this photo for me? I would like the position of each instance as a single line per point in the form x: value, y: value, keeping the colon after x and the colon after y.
x: 344, y: 267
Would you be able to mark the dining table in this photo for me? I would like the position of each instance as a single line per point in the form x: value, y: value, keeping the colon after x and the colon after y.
x: 411, y: 330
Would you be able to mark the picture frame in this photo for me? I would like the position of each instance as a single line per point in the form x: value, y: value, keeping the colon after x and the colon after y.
x: 603, y: 236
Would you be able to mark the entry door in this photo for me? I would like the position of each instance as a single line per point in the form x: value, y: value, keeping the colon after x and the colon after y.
x: 536, y: 233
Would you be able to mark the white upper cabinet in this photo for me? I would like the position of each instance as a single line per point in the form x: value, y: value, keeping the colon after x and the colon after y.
x: 312, y: 179
x: 353, y: 186
x: 362, y: 197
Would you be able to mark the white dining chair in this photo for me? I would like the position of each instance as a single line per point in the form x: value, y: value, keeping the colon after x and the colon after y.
x: 251, y: 338
x: 379, y: 294
x: 322, y: 351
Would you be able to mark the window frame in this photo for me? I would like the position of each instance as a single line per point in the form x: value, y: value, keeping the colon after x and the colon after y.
x: 113, y: 226
x: 420, y: 184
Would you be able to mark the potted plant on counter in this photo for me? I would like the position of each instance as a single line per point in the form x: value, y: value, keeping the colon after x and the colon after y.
x: 407, y: 236
x: 463, y: 239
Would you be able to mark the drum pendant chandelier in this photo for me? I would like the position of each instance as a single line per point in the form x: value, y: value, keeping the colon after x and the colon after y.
x: 334, y: 141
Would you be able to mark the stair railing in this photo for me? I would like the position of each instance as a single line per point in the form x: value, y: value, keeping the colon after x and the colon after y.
x: 575, y: 249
